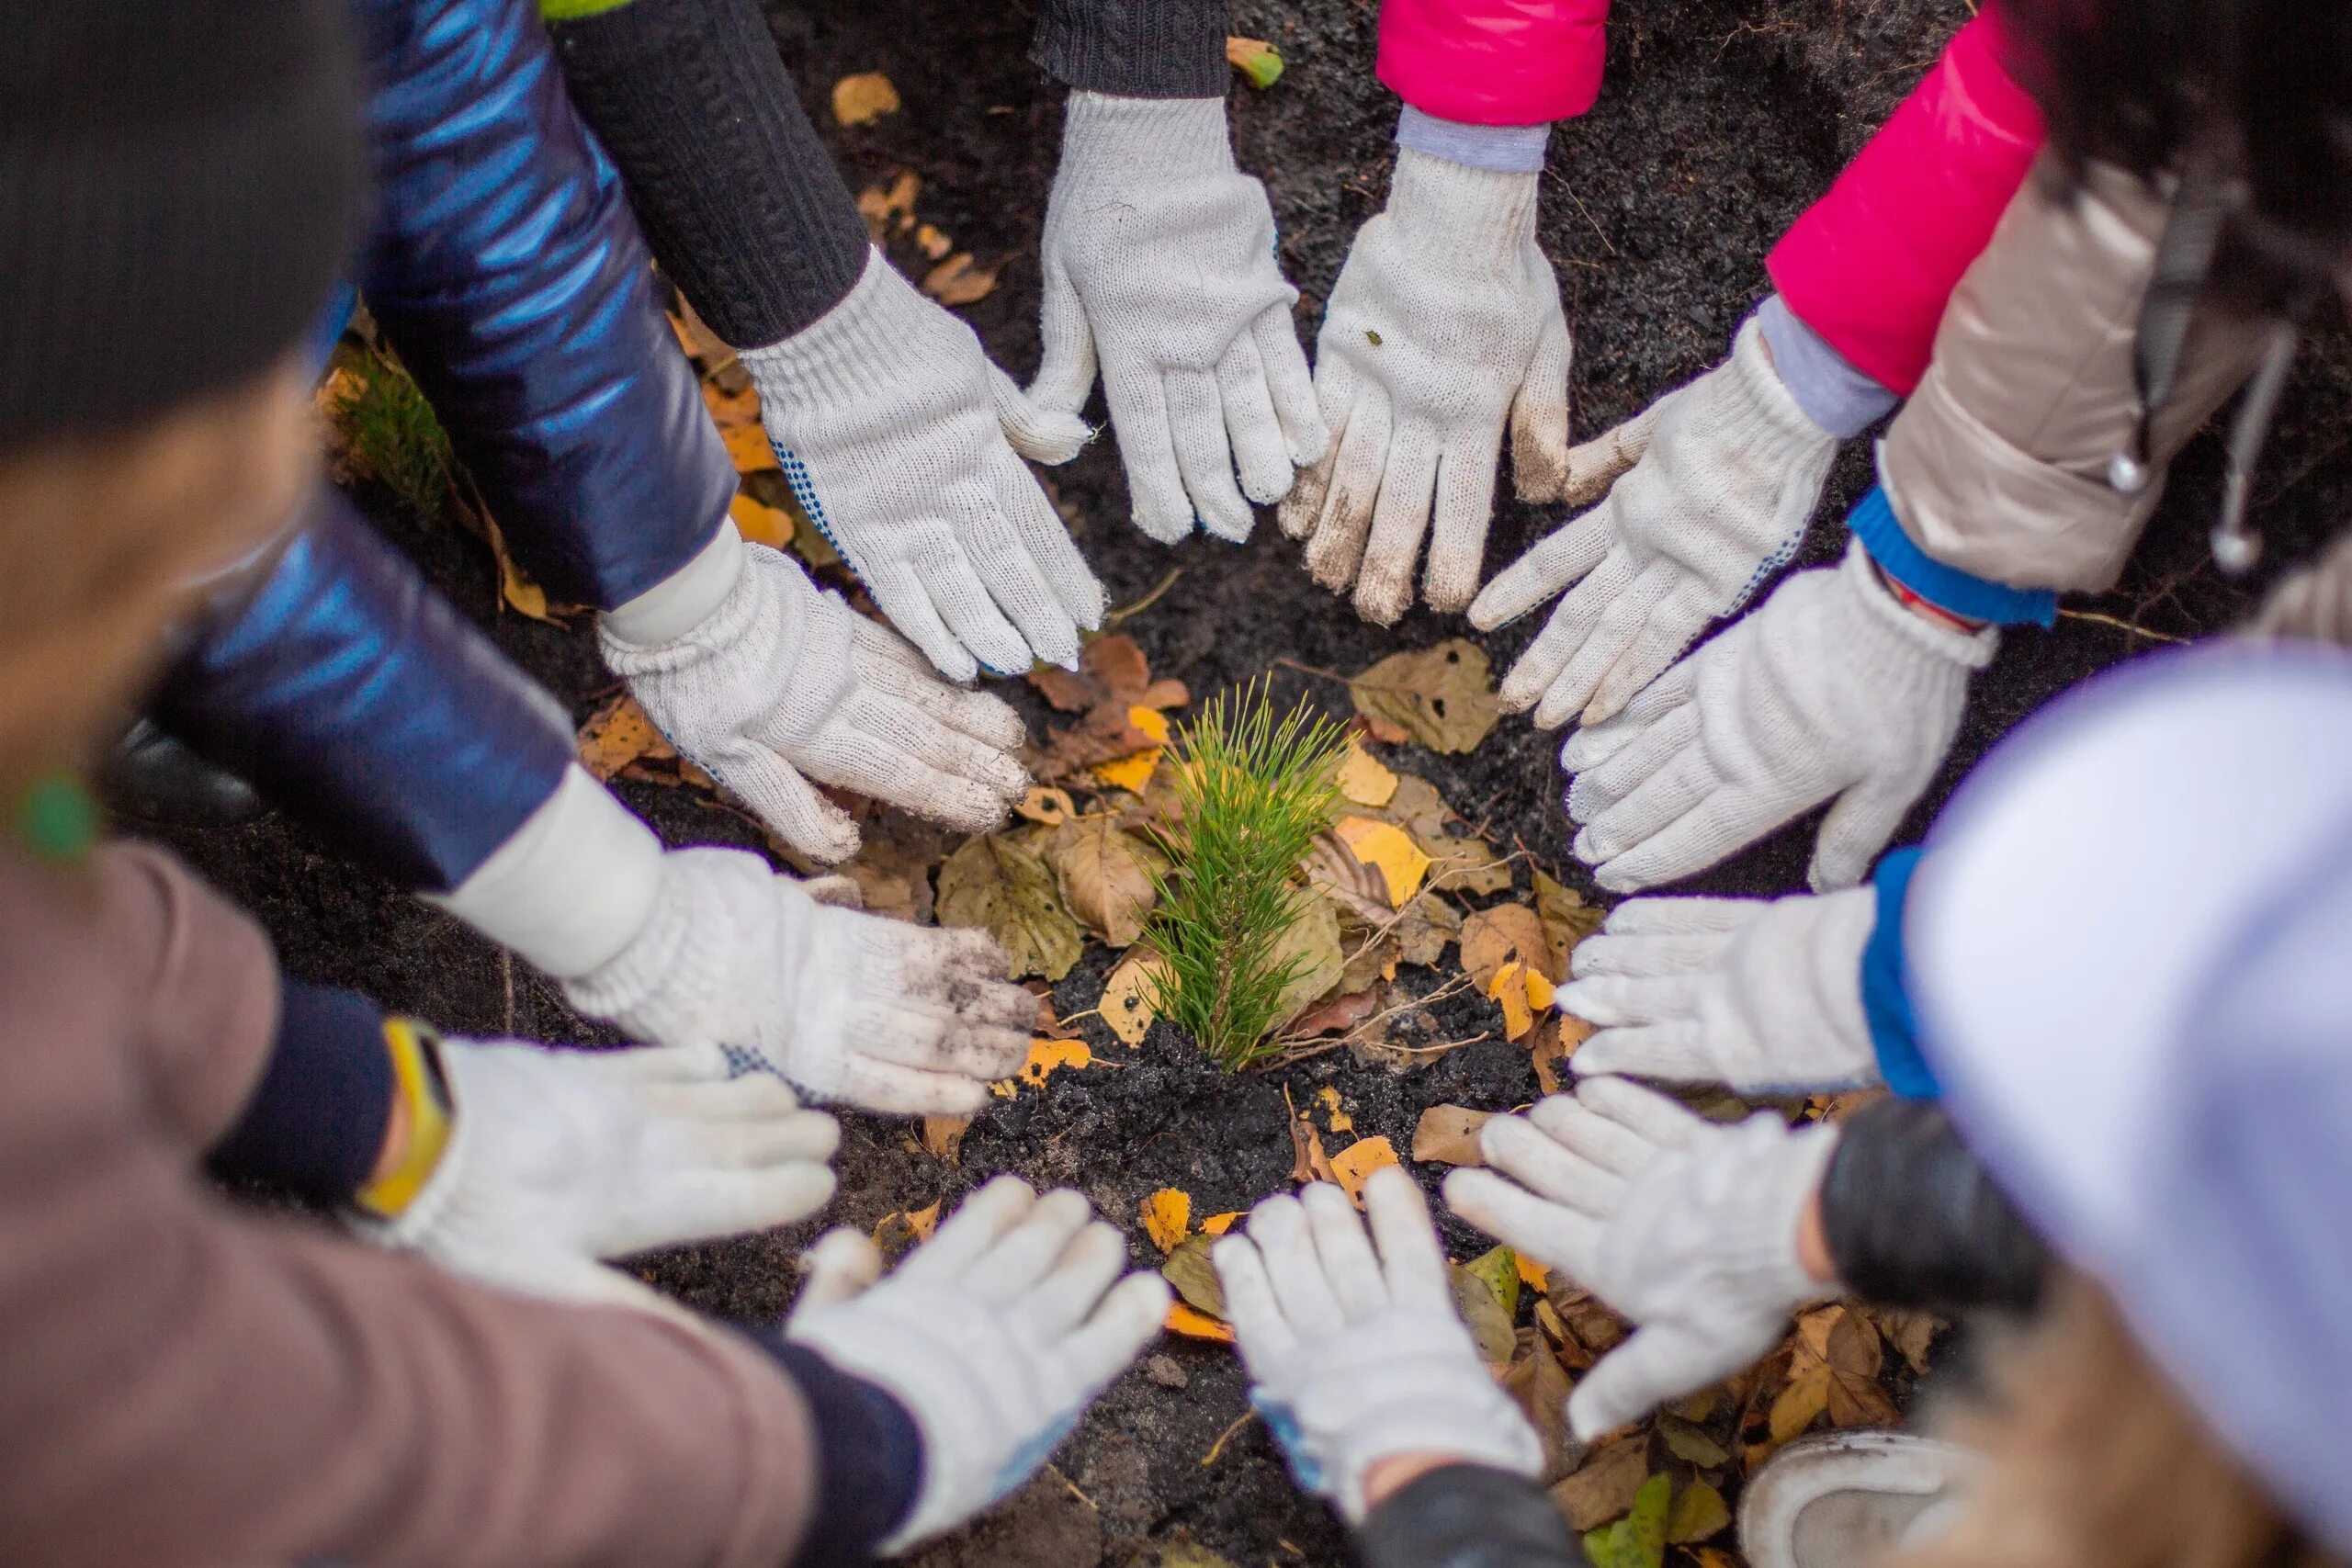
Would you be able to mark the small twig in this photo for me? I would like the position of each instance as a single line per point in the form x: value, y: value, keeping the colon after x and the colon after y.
x: 1581, y: 208
x: 1217, y: 1448
x: 2122, y: 626
x: 1311, y: 670
x: 506, y: 979
x: 1299, y: 1049
x: 1074, y: 1492
x: 1442, y: 1047
x: 1147, y: 601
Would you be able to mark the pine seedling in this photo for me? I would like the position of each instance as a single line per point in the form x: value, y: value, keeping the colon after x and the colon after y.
x: 1254, y: 791
x: 391, y: 435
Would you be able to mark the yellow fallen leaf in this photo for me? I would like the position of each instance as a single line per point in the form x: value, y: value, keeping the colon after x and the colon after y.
x: 1046, y: 1057
x: 917, y: 1223
x: 1167, y: 1217
x: 894, y: 208
x: 866, y: 97
x: 1128, y: 998
x: 1509, y: 987
x: 1046, y: 803
x: 1531, y: 1274
x: 1365, y: 779
x: 932, y: 244
x: 1193, y: 1324
x: 731, y: 409
x: 1354, y: 1165
x: 748, y: 449
x: 959, y: 280
x: 761, y: 524
x: 1390, y: 848
x: 1540, y: 991
x: 1337, y: 1120
x: 1132, y: 774
x: 1217, y: 1225
x: 944, y: 1136
x: 617, y: 735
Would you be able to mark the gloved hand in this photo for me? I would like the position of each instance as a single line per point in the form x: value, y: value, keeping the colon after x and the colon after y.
x: 1831, y: 688
x: 1356, y: 1358
x: 995, y: 1335
x: 1687, y: 1228
x: 1724, y: 474
x: 887, y: 1016
x: 1159, y: 259
x: 557, y: 1158
x: 892, y: 427
x: 1445, y: 323
x: 782, y: 680
x: 1765, y: 996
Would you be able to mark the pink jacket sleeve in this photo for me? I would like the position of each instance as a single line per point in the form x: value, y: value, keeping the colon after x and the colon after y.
x: 1870, y: 265
x: 1494, y: 61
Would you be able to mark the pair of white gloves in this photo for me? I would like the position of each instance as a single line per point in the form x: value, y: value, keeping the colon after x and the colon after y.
x: 1832, y: 691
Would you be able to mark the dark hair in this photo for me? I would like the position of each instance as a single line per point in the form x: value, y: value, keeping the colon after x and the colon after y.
x: 2259, y: 91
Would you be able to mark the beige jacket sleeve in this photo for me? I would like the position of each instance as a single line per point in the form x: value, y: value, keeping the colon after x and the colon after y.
x: 1999, y: 464
x: 192, y: 1383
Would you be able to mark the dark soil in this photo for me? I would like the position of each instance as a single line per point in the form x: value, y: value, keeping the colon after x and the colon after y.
x: 1721, y: 120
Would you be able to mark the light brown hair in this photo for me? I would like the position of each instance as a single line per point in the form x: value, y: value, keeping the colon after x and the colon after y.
x: 103, y: 541
x: 2097, y: 1461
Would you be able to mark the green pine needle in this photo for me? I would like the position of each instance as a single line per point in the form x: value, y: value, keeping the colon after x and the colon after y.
x: 1254, y: 791
x: 395, y: 439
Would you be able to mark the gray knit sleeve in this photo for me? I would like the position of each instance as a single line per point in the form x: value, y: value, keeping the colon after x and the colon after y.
x: 1133, y: 49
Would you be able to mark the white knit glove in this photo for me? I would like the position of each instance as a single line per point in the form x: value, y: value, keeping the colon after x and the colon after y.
x: 782, y: 680
x: 1724, y: 474
x: 995, y: 1335
x: 887, y: 1016
x: 1160, y: 260
x: 1830, y: 689
x: 1354, y: 1357
x: 1444, y: 324
x: 1765, y: 996
x: 557, y: 1158
x: 1685, y: 1226
x: 892, y: 427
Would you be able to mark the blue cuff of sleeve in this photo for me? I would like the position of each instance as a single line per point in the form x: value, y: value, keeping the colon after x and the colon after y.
x: 1505, y: 149
x: 1886, y: 1005
x: 314, y: 1127
x: 1873, y: 522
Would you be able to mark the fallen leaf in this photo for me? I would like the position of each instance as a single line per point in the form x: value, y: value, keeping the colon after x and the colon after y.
x: 1508, y: 988
x: 1354, y: 1165
x: 1489, y: 1325
x: 1910, y: 1331
x: 1217, y: 1225
x: 1360, y: 891
x: 1637, y: 1541
x: 865, y: 97
x: 1494, y: 937
x: 1365, y: 779
x: 1698, y: 1514
x: 1167, y: 1217
x: 1443, y: 698
x: 997, y: 885
x: 1604, y: 1486
x: 1567, y: 920
x: 1498, y: 1266
x: 1337, y: 1016
x: 895, y: 208
x: 1423, y: 930
x: 1533, y: 1275
x: 914, y: 1224
x: 1310, y: 943
x: 1129, y: 997
x: 1046, y: 1057
x: 1793, y: 1409
x: 1418, y: 808
x: 1448, y: 1135
x: 959, y: 280
x: 1109, y: 878
x: 1334, y: 1119
x: 1541, y: 1388
x: 727, y: 409
x: 1463, y: 866
x: 516, y: 588
x: 760, y: 522
x: 932, y: 243
x: 1133, y: 773
x: 1193, y: 1274
x: 748, y: 449
x: 1715, y: 1557
x: 1390, y: 848
x: 1307, y: 1160
x: 893, y: 865
x: 1191, y: 1323
x: 617, y: 735
x: 1048, y: 804
x: 944, y: 1136
x: 1688, y: 1443
x: 1260, y: 62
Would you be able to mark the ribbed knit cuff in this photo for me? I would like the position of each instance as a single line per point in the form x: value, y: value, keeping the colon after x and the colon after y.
x: 1505, y: 149
x: 1133, y: 49
x: 1913, y: 1220
x: 314, y: 1127
x: 1836, y: 396
x: 1169, y: 136
x: 1969, y: 651
x: 869, y: 1459
x: 864, y: 351
x: 1476, y: 213
x: 739, y: 200
x: 1874, y: 524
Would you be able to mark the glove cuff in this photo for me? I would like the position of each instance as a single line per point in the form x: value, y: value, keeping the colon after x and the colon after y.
x: 1475, y: 215
x: 1146, y: 139
x: 1755, y: 407
x: 864, y: 353
x: 1763, y: 1254
x: 1884, y: 620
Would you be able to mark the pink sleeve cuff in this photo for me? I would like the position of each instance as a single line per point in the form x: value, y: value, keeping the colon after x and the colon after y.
x: 1494, y: 61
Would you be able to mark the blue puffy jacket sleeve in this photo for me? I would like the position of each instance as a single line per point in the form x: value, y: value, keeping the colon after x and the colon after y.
x: 507, y: 270
x: 359, y: 701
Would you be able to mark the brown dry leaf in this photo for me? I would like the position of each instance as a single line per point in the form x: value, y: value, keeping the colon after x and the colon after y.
x: 1352, y: 1165
x: 1567, y: 920
x: 1189, y: 1269
x: 1046, y: 1057
x: 1492, y: 938
x: 1167, y: 1217
x: 1130, y: 997
x: 1217, y: 1225
x: 1603, y: 1488
x: 1046, y: 805
x: 932, y: 243
x: 893, y: 865
x: 1490, y: 1324
x: 944, y: 1137
x: 1715, y: 1557
x: 911, y: 1226
x: 1851, y: 1348
x: 1591, y: 1324
x: 1424, y: 929
x: 1337, y: 1016
x: 1448, y: 1135
x: 730, y: 409
x: 1311, y: 942
x: 1805, y: 1397
x: 1360, y: 891
x: 1910, y: 1331
x: 1389, y: 848
x: 617, y: 735
x: 1307, y: 1160
x: 1537, y: 1382
x: 959, y: 280
x: 1133, y: 773
x: 1001, y: 887
x: 1688, y: 1443
x: 1535, y: 1276
x: 748, y: 449
x: 1111, y: 668
x: 865, y: 97
x: 1699, y: 1513
x: 1191, y: 1323
x: 892, y: 208
x: 1365, y: 779
x: 1418, y: 808
x: 1109, y: 878
x: 1444, y: 696
x: 1463, y: 866
x: 516, y: 589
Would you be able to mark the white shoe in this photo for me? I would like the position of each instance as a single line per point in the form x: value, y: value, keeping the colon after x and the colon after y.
x: 1845, y: 1499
